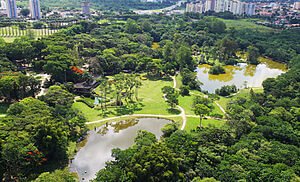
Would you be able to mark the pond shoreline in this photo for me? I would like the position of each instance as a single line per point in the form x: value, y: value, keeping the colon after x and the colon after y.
x: 117, y: 134
x: 242, y: 75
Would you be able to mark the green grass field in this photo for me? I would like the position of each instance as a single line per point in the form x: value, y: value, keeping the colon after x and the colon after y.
x: 11, y: 33
x: 151, y: 97
x: 245, y: 24
x: 193, y: 122
x: 151, y: 102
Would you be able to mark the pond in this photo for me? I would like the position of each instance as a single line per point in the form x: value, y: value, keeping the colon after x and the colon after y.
x: 92, y: 157
x: 240, y: 75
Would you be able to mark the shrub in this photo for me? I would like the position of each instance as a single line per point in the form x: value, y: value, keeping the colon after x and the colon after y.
x: 184, y: 91
x: 217, y: 69
x: 87, y: 101
x: 226, y: 90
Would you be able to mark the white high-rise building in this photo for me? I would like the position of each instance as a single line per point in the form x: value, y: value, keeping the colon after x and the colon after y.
x: 235, y: 6
x: 297, y: 5
x: 208, y: 5
x: 35, y: 9
x: 3, y: 4
x: 11, y: 8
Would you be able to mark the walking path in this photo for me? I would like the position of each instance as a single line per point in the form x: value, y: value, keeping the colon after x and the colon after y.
x: 182, y: 114
x: 182, y: 111
x: 222, y: 109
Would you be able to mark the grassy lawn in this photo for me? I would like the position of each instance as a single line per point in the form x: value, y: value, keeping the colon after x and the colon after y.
x: 10, y: 34
x: 9, y: 39
x: 193, y: 122
x: 151, y: 102
x: 178, y: 81
x: 151, y: 97
x: 245, y: 24
x: 89, y: 113
x: 242, y: 93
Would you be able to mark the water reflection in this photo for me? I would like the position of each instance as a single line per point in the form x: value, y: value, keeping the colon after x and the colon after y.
x: 240, y: 74
x: 92, y: 157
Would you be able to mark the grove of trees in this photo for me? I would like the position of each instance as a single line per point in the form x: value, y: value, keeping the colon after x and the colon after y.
x: 259, y: 143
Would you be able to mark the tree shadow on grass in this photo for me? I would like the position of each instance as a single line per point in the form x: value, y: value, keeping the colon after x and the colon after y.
x: 128, y: 109
x: 157, y: 77
x: 106, y: 113
x: 173, y: 111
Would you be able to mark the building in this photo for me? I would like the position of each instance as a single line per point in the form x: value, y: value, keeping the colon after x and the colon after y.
x: 3, y: 5
x: 297, y: 5
x: 35, y: 9
x: 11, y: 8
x: 86, y: 7
x: 237, y: 7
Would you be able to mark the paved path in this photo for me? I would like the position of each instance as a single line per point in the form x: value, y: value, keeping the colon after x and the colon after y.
x: 182, y: 111
x: 182, y: 114
x: 222, y: 109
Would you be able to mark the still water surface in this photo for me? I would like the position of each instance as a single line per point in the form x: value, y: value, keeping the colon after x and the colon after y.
x: 92, y: 157
x: 240, y: 75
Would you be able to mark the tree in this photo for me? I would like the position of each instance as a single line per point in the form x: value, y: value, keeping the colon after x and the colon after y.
x: 227, y: 48
x: 56, y: 176
x: 25, y: 12
x: 252, y: 55
x: 132, y: 27
x: 171, y: 96
x: 169, y: 128
x: 184, y: 58
x: 216, y: 69
x: 144, y: 138
x: 189, y: 78
x: 38, y: 25
x: 184, y: 90
x: 201, y: 110
x: 226, y: 90
x: 57, y: 96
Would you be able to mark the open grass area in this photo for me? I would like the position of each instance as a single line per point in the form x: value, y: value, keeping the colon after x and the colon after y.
x: 193, y: 122
x: 245, y: 24
x: 9, y: 34
x: 9, y: 39
x: 89, y: 113
x: 151, y: 102
x: 242, y: 93
x: 178, y: 81
x: 151, y: 97
x: 187, y: 103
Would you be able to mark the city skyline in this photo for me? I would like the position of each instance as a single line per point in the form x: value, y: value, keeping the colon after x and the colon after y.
x: 234, y: 6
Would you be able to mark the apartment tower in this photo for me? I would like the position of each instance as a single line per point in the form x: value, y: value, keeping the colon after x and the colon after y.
x: 35, y: 9
x: 11, y: 8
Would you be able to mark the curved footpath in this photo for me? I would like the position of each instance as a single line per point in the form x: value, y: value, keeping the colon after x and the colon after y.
x: 182, y: 113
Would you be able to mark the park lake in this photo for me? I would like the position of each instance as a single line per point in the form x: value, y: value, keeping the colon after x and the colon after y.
x: 241, y: 75
x: 97, y: 150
